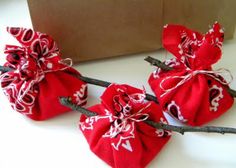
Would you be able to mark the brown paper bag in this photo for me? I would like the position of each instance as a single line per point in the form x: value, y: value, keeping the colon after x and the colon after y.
x: 93, y: 29
x: 200, y: 14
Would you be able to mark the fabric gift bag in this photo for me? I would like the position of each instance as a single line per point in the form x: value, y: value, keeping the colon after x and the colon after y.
x: 39, y: 76
x: 192, y: 92
x: 118, y: 134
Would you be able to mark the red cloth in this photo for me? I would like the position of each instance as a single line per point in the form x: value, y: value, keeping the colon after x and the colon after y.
x: 39, y: 76
x: 192, y: 93
x: 118, y: 134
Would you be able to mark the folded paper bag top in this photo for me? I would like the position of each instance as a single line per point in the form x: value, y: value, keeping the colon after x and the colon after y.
x: 192, y: 92
x: 118, y: 134
x: 39, y: 76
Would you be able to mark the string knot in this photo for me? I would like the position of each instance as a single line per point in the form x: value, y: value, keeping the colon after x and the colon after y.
x: 215, y: 74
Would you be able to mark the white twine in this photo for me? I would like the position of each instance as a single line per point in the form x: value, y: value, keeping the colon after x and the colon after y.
x: 124, y: 125
x: 185, y: 78
x: 141, y: 96
x: 39, y: 77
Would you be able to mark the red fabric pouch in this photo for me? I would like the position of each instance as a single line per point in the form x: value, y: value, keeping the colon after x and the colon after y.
x: 39, y: 76
x: 118, y: 134
x: 192, y: 92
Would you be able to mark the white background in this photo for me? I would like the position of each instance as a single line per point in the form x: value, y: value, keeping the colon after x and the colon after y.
x: 59, y: 143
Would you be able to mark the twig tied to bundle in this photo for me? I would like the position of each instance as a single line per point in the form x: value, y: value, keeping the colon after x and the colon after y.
x: 163, y: 66
x: 180, y: 129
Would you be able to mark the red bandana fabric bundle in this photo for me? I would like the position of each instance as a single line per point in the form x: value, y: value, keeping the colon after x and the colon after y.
x: 192, y: 92
x: 39, y: 76
x: 118, y: 134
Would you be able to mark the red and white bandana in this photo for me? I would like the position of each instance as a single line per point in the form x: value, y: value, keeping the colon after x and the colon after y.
x: 193, y: 93
x: 39, y: 76
x: 118, y: 134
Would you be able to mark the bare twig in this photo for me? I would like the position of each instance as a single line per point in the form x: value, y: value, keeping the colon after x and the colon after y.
x: 93, y: 81
x: 151, y: 98
x: 106, y: 84
x: 66, y: 101
x: 184, y: 129
x: 180, y: 129
x: 5, y: 69
x: 158, y: 63
x: 232, y: 92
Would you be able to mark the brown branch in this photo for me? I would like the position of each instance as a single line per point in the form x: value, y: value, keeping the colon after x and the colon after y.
x: 232, y: 92
x: 180, y: 129
x: 184, y: 129
x: 94, y: 81
x: 66, y: 101
x: 5, y: 69
x: 158, y: 63
x: 106, y: 84
x: 91, y: 81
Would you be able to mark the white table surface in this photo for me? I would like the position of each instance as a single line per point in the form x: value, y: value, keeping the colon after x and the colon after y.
x: 59, y: 143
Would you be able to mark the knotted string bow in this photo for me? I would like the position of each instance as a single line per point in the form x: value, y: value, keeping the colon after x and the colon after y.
x: 37, y: 55
x: 215, y: 74
x: 195, y: 52
x: 125, y: 118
